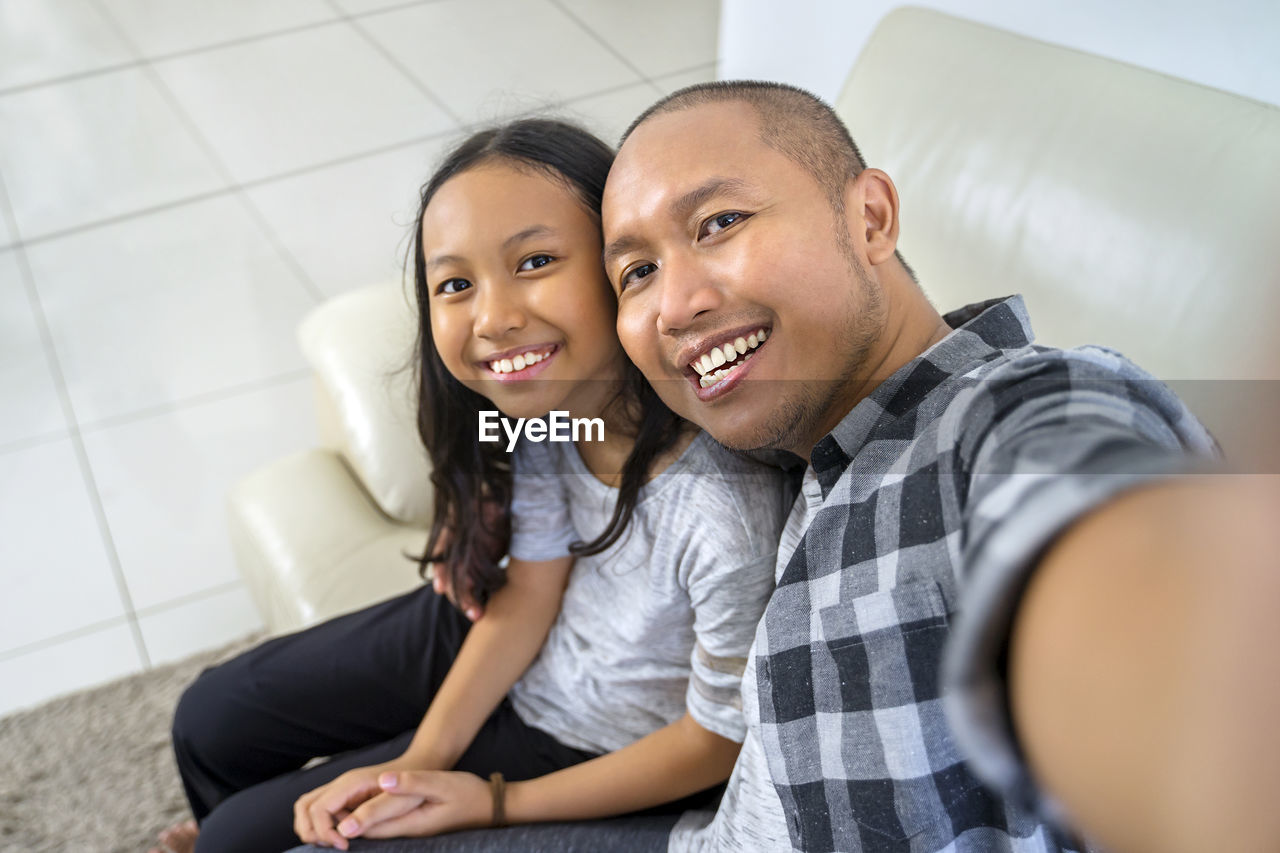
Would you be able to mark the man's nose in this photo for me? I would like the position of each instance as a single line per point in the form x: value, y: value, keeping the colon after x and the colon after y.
x: 686, y: 291
x: 497, y: 312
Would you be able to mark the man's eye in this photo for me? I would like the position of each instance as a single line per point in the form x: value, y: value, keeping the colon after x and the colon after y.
x: 636, y: 273
x: 534, y: 262
x: 719, y: 222
x: 453, y: 285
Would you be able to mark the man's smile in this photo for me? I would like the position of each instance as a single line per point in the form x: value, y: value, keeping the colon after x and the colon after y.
x: 716, y: 363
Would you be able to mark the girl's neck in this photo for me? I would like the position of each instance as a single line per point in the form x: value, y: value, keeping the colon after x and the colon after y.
x: 605, y: 459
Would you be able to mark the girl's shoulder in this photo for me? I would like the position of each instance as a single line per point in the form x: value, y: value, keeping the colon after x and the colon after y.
x: 751, y: 498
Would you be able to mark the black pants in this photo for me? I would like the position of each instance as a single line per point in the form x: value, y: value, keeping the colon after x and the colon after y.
x: 355, y: 688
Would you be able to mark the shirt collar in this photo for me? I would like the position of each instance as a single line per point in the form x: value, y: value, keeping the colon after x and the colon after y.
x: 980, y: 332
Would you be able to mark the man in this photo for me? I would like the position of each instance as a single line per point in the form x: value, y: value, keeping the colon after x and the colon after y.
x: 1011, y: 520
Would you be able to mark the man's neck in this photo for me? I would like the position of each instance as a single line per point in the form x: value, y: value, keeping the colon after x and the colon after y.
x: 912, y: 326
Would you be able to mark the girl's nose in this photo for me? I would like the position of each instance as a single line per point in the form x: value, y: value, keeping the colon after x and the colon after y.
x: 497, y: 313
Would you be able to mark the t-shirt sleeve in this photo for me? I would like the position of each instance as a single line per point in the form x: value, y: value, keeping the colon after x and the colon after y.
x: 1048, y: 439
x: 728, y: 601
x: 541, y: 528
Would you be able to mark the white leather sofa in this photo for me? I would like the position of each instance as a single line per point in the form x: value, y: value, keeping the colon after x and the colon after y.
x: 1132, y: 210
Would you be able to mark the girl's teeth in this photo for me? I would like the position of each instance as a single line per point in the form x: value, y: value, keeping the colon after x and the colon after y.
x: 705, y: 361
x: 741, y: 346
x: 729, y: 352
x: 717, y: 357
x: 752, y: 341
x: 520, y: 362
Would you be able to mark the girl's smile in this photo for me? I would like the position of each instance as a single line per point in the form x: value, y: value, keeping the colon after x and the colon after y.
x: 520, y: 363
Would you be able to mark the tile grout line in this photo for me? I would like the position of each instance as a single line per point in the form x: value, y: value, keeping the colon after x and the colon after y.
x: 395, y: 63
x: 197, y: 50
x: 148, y: 68
x: 65, y: 637
x: 105, y: 624
x: 20, y: 444
x: 228, y: 190
x: 217, y: 396
x: 606, y: 45
x: 254, y: 183
x: 77, y: 440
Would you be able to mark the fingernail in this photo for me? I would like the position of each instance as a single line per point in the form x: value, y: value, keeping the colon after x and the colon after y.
x: 387, y: 780
x: 348, y: 826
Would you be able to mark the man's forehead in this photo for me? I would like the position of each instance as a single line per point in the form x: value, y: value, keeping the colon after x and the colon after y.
x: 672, y: 154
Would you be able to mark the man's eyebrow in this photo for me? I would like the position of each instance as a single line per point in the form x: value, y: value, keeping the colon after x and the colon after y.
x: 531, y: 231
x: 682, y: 208
x: 619, y: 247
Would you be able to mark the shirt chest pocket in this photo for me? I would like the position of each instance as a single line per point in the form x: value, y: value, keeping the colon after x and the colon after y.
x: 878, y: 669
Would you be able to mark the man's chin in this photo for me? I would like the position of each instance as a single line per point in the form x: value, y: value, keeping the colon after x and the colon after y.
x: 775, y: 429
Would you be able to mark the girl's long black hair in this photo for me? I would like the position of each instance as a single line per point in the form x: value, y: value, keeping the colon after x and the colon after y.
x: 473, y: 480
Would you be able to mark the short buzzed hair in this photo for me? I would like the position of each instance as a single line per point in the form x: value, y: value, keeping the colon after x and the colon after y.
x: 793, y: 122
x: 797, y: 124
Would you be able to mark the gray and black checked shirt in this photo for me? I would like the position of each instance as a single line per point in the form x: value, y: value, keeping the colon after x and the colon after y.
x: 929, y: 504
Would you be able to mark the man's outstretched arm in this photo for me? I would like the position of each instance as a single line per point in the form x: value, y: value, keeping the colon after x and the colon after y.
x: 1144, y: 668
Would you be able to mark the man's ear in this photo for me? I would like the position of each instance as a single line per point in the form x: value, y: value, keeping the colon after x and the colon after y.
x: 871, y: 201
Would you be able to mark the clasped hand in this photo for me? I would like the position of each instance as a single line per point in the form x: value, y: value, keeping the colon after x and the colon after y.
x: 382, y: 802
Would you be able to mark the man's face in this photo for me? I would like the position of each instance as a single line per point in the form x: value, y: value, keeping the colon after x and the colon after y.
x: 711, y: 237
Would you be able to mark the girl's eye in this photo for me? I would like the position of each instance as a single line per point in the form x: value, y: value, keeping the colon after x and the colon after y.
x: 636, y: 273
x: 535, y: 262
x: 720, y: 222
x: 453, y: 285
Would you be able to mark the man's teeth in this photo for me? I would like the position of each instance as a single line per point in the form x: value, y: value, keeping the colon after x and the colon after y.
x: 726, y: 354
x: 520, y: 362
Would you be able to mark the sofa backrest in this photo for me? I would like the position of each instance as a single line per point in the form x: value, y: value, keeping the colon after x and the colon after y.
x: 1132, y: 209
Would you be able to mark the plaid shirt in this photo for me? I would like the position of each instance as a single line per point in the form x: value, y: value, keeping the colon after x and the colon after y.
x: 929, y: 503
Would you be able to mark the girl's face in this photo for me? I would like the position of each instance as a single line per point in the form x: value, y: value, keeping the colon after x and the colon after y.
x: 521, y: 311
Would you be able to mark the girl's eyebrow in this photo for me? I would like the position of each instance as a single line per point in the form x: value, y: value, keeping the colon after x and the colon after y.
x: 440, y: 260
x: 532, y: 231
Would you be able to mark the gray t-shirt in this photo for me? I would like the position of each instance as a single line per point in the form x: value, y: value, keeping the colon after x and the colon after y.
x: 662, y: 620
x: 750, y: 818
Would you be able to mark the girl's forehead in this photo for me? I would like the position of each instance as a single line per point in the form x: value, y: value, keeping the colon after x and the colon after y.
x: 494, y: 201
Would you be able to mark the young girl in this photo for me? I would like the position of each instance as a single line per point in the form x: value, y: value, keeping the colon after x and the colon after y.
x: 603, y: 675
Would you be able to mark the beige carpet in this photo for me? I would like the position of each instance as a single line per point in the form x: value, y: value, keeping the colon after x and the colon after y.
x: 93, y: 771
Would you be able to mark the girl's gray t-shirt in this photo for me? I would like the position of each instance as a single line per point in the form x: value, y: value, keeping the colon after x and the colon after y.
x: 663, y: 619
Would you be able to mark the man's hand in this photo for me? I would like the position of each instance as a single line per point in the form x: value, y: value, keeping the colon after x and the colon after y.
x: 317, y: 813
x: 421, y: 802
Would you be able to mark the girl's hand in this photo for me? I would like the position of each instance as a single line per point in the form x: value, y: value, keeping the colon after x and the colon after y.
x: 422, y: 802
x: 464, y: 599
x: 317, y: 813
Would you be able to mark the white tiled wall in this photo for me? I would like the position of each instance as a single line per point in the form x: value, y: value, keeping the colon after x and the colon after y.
x: 180, y: 183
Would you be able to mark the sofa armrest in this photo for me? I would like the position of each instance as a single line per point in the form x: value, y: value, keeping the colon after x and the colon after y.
x: 311, y: 543
x: 361, y: 346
